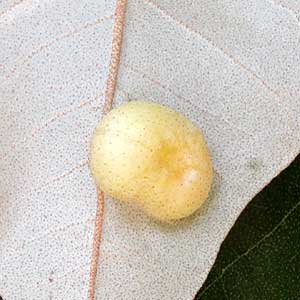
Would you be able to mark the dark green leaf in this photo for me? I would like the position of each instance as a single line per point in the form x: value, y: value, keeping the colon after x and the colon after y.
x: 260, y: 257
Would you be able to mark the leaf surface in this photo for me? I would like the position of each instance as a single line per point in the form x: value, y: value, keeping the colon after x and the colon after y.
x: 230, y: 66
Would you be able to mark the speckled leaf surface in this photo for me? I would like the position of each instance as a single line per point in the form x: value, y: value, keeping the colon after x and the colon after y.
x: 230, y: 66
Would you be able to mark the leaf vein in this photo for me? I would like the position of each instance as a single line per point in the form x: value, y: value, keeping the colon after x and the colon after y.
x: 289, y: 10
x: 55, y: 118
x: 42, y: 47
x: 163, y: 86
x: 212, y: 43
x: 14, y: 6
x: 249, y: 250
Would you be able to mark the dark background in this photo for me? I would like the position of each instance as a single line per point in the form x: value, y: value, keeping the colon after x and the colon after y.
x: 260, y: 257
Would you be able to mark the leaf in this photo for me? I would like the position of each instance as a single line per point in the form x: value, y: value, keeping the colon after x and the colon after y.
x: 230, y: 66
x: 259, y: 258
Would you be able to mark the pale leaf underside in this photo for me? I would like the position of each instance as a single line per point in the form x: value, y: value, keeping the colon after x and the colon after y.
x: 230, y: 66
